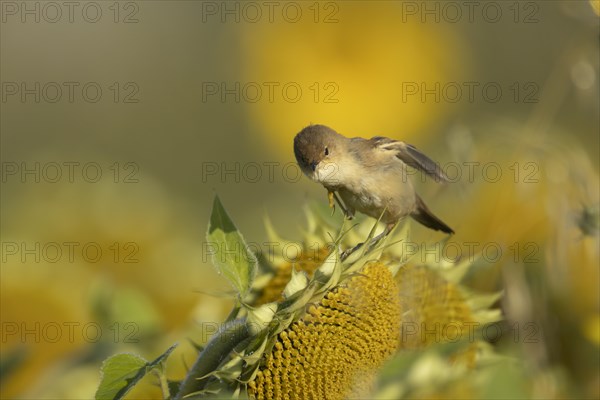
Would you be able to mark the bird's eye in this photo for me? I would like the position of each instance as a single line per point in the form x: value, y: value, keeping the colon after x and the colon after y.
x: 326, y: 151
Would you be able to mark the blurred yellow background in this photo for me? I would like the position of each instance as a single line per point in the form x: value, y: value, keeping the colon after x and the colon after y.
x: 121, y: 120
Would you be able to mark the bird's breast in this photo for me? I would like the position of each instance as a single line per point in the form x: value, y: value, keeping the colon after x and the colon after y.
x: 371, y: 194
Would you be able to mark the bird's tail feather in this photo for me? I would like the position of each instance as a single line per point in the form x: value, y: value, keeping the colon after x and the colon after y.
x: 424, y: 216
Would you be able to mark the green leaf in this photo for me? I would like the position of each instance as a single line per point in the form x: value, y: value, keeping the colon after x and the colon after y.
x: 121, y: 372
x: 229, y: 251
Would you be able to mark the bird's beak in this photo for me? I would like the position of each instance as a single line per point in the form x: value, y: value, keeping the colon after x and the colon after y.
x: 313, y: 166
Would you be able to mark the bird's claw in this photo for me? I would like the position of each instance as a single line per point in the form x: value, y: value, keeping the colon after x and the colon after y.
x: 331, y: 201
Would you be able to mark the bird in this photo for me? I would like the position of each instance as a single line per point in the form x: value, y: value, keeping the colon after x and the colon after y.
x: 368, y: 175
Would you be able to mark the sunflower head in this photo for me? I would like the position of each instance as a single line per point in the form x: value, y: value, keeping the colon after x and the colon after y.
x: 336, y: 347
x: 323, y: 323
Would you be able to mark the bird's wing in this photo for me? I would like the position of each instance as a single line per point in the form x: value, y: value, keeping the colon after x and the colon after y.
x: 410, y: 156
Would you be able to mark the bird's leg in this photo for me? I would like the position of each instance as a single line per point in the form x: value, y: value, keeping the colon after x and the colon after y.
x: 373, y: 242
x: 333, y: 198
x: 347, y: 213
x: 346, y: 253
x: 386, y: 231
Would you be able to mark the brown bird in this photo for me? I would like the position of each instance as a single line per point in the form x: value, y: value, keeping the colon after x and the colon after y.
x: 370, y: 175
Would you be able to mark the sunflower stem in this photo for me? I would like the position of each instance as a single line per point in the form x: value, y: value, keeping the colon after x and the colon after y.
x: 217, y: 349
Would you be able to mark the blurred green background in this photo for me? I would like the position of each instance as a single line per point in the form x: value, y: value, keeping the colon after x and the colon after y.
x: 198, y: 98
